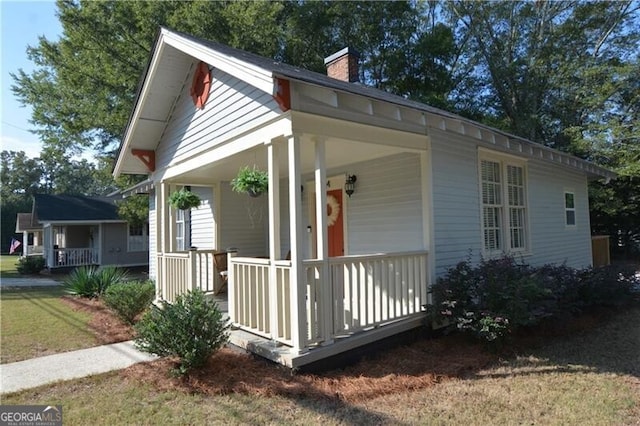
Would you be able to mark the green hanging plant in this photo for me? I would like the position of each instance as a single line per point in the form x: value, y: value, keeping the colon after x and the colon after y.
x: 184, y: 199
x: 252, y: 181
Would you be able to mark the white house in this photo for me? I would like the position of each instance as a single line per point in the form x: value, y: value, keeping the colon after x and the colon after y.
x: 316, y: 271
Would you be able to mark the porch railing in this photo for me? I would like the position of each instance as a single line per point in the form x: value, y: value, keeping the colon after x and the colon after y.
x: 66, y: 257
x: 183, y: 271
x: 35, y: 250
x: 343, y: 295
x: 262, y: 304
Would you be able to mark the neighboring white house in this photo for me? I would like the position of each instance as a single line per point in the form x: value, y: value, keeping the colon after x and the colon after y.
x: 75, y: 230
x: 316, y: 271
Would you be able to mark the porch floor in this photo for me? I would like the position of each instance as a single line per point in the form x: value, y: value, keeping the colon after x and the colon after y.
x: 285, y: 355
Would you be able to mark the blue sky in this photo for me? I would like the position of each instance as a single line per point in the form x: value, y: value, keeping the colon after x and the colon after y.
x: 22, y: 22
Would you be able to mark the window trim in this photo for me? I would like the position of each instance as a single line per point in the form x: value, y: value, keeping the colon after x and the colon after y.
x: 504, y: 160
x: 570, y: 209
x: 145, y: 238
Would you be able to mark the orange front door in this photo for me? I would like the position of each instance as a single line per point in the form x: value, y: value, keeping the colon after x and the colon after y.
x: 335, y: 223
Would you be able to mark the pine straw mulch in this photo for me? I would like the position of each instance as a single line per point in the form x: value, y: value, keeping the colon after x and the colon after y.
x: 417, y: 366
x: 104, y: 324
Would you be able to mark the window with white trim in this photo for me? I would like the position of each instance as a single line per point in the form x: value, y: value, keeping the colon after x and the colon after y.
x: 138, y: 238
x: 570, y: 208
x: 504, y: 205
x: 181, y: 230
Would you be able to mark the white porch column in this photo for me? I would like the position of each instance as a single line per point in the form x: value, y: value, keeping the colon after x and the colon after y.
x: 274, y: 201
x: 298, y: 285
x: 322, y: 240
x: 25, y: 242
x: 274, y: 232
x: 162, y: 210
x: 162, y: 229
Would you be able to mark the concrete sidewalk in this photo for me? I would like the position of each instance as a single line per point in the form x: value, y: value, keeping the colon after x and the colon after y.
x: 69, y: 365
x: 28, y: 282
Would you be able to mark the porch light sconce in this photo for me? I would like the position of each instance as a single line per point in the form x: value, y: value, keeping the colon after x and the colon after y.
x: 350, y: 184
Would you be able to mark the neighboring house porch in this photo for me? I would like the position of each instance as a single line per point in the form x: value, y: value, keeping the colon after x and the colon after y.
x: 74, y: 230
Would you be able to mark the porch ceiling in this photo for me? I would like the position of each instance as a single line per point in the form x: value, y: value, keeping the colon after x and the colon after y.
x: 340, y: 154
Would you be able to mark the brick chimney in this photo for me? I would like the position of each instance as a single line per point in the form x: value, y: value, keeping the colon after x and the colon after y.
x: 343, y: 65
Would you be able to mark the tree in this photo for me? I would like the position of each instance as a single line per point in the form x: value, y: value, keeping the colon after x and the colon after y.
x: 83, y: 87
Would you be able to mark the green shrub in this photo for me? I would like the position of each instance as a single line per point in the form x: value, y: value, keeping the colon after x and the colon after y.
x: 499, y: 296
x: 109, y: 275
x: 90, y: 281
x: 130, y: 299
x: 191, y: 329
x: 28, y: 265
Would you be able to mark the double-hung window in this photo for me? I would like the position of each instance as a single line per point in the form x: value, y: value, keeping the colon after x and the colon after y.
x: 181, y: 230
x: 138, y: 238
x: 504, y: 204
x: 569, y: 208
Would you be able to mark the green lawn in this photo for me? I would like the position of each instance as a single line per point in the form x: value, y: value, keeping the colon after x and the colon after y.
x: 34, y: 322
x: 590, y: 378
x: 8, y: 266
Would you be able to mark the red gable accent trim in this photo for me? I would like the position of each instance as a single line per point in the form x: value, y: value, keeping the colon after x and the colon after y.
x: 147, y: 156
x: 201, y: 85
x: 283, y: 94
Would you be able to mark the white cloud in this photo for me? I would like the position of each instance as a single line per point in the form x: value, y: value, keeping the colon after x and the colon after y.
x: 30, y: 147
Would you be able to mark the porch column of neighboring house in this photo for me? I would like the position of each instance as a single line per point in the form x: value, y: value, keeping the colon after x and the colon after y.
x: 322, y: 239
x: 298, y: 286
x: 47, y: 231
x: 25, y: 243
x: 273, y: 154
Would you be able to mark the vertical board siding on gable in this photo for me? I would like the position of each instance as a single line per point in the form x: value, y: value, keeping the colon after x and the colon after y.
x: 456, y: 210
x: 152, y: 234
x: 551, y: 240
x: 244, y: 222
x: 233, y: 107
x: 202, y: 223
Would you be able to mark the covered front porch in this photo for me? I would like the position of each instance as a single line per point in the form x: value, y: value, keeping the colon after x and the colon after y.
x: 305, y: 282
x: 70, y: 245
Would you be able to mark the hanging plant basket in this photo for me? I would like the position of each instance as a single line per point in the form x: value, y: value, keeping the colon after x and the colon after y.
x: 184, y: 199
x: 252, y: 181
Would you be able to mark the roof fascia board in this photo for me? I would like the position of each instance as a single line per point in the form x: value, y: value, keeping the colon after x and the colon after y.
x: 139, y: 102
x: 250, y: 73
x: 78, y: 222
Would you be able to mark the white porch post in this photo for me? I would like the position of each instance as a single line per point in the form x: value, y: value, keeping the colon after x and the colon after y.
x: 162, y: 219
x: 322, y: 240
x: 25, y: 242
x: 274, y: 201
x: 298, y: 285
x: 274, y: 232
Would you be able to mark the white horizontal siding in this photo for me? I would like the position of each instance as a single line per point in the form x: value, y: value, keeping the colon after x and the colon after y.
x: 232, y: 108
x: 202, y: 222
x: 551, y: 240
x: 244, y: 222
x: 385, y: 212
x: 456, y: 209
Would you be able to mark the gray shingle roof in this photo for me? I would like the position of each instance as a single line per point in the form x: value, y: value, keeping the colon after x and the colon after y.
x: 49, y: 208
